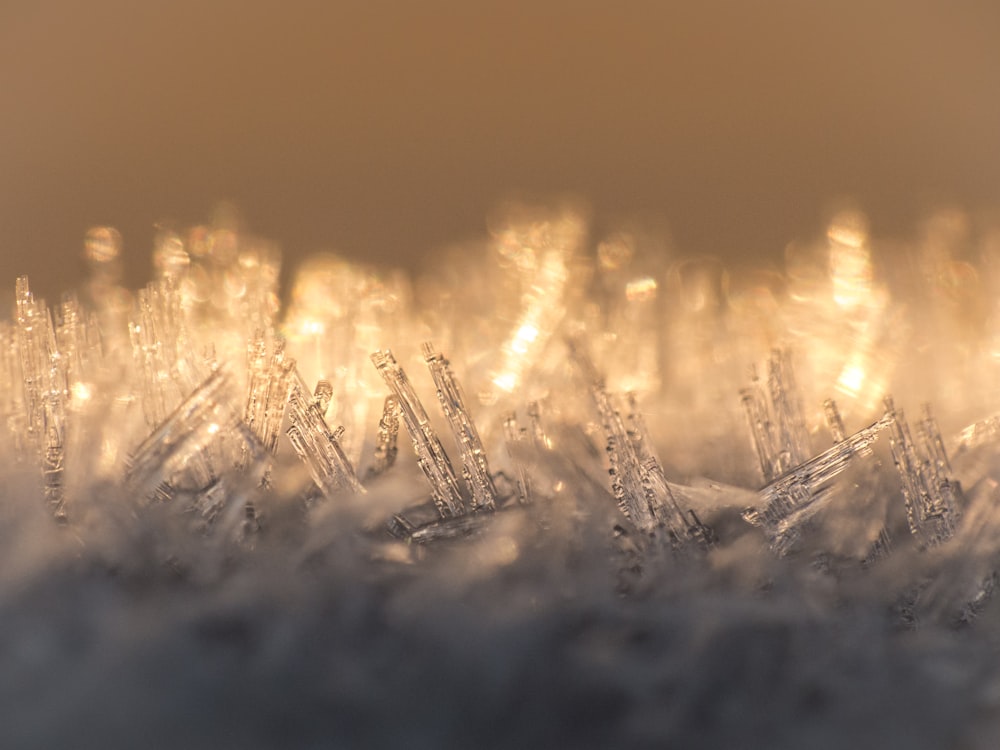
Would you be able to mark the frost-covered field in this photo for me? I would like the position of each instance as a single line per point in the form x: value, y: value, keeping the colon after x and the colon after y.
x: 651, y: 502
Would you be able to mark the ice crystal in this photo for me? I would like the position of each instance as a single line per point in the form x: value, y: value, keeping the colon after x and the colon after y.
x: 930, y: 494
x: 385, y: 440
x: 314, y: 442
x: 475, y: 469
x: 431, y: 457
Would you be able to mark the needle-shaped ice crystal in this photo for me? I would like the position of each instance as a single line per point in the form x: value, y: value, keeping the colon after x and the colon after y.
x: 269, y: 386
x: 929, y: 493
x: 386, y: 438
x: 791, y: 499
x: 777, y: 427
x: 45, y: 389
x: 517, y: 440
x: 176, y: 443
x: 655, y: 480
x: 637, y: 480
x: 433, y: 461
x: 475, y: 468
x: 314, y: 442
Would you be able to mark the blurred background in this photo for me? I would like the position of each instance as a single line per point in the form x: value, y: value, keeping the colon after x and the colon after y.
x: 387, y: 129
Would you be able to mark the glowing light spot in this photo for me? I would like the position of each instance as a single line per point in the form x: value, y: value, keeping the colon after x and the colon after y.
x: 505, y: 381
x: 213, y: 428
x: 525, y: 335
x: 313, y: 327
x: 81, y: 392
x: 102, y: 245
x: 852, y: 377
x: 640, y: 289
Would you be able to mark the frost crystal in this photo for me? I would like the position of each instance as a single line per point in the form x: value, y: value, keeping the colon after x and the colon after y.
x: 175, y: 457
x: 929, y: 493
x: 268, y: 390
x: 314, y: 442
x: 793, y: 498
x: 475, y: 469
x: 386, y: 438
x: 516, y: 440
x: 637, y: 479
x: 45, y: 388
x: 433, y: 461
x: 776, y: 423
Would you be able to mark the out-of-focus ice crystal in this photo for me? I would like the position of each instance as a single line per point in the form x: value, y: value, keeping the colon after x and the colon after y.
x: 516, y: 439
x: 45, y: 389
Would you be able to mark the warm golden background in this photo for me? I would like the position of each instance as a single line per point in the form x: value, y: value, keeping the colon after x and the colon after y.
x: 385, y: 129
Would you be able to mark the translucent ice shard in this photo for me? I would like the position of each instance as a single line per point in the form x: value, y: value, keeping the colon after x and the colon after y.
x: 160, y: 350
x: 834, y: 422
x: 475, y: 469
x: 45, y: 390
x: 777, y: 427
x: 431, y: 456
x: 516, y: 440
x: 314, y: 442
x: 980, y: 433
x: 637, y: 480
x: 655, y: 481
x: 386, y: 438
x: 176, y: 444
x: 11, y: 385
x: 269, y: 386
x: 626, y: 469
x: 791, y: 499
x: 417, y: 525
x: 866, y: 487
x: 929, y: 493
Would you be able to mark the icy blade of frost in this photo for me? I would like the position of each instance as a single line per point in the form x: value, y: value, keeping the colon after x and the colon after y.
x: 475, y: 469
x: 777, y: 427
x: 626, y: 471
x: 316, y: 445
x: 45, y: 389
x: 269, y: 386
x: 793, y: 438
x: 181, y: 436
x: 431, y: 457
x: 929, y: 493
x: 637, y: 480
x: 655, y: 479
x: 759, y: 423
x: 386, y: 438
x: 516, y: 440
x: 834, y: 422
x: 793, y: 498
